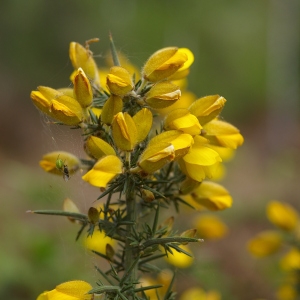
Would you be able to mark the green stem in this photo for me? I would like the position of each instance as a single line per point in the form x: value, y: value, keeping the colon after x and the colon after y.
x: 130, y: 251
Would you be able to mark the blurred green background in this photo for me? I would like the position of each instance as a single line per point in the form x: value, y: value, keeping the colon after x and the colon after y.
x: 246, y: 51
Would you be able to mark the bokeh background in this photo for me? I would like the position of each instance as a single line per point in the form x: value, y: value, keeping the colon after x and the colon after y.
x: 246, y: 51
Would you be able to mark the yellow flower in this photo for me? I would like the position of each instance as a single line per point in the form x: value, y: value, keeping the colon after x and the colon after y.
x: 185, y: 69
x: 207, y: 108
x: 179, y: 259
x: 199, y: 294
x: 164, y: 63
x: 124, y: 131
x: 49, y: 162
x: 210, y: 226
x: 57, y: 105
x: 181, y: 119
x: 119, y: 81
x: 164, y: 148
x: 104, y: 170
x: 82, y: 89
x: 223, y: 134
x: 200, y: 161
x: 98, y: 241
x: 212, y: 196
x: 112, y: 106
x: 98, y: 148
x: 282, y: 215
x: 291, y: 260
x: 83, y: 58
x: 163, y: 94
x: 71, y: 290
x: 265, y: 243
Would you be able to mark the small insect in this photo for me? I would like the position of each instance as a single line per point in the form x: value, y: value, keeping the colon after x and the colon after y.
x: 60, y: 165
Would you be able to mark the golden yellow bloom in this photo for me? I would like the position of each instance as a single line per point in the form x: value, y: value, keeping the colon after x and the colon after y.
x: 112, y: 106
x: 207, y: 108
x: 179, y: 259
x: 49, y: 162
x: 98, y: 148
x: 82, y: 89
x: 147, y: 281
x: 185, y: 69
x: 124, y: 131
x: 291, y: 260
x: 210, y: 226
x: 164, y: 63
x: 188, y: 185
x: 71, y: 290
x: 212, y: 196
x: 163, y: 94
x: 181, y: 119
x: 201, y: 161
x: 223, y: 134
x: 199, y: 294
x: 104, y: 170
x: 119, y: 81
x: 70, y: 206
x: 265, y: 243
x: 83, y: 58
x: 143, y: 120
x: 98, y: 241
x: 282, y: 215
x: 164, y: 148
x: 57, y: 105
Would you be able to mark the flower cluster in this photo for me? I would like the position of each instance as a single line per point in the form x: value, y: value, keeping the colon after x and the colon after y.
x: 147, y: 140
x: 287, y: 237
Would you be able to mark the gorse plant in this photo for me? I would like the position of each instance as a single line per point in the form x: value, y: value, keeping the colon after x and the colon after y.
x: 150, y: 145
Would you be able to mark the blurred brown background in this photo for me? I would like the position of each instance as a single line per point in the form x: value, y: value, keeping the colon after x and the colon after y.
x: 246, y: 51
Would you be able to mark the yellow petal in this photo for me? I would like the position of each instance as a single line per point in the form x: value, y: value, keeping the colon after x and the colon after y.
x: 124, y: 131
x: 265, y: 243
x: 82, y: 58
x: 213, y: 196
x: 163, y: 94
x: 179, y: 259
x: 163, y: 63
x: 112, y: 106
x: 143, y: 121
x: 210, y: 226
x: 183, y: 120
x: 98, y: 147
x: 105, y: 170
x: 207, y: 108
x: 98, y: 241
x: 282, y: 215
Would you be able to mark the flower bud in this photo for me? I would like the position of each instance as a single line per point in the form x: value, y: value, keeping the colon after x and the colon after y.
x: 163, y: 63
x: 207, y: 108
x: 163, y: 94
x: 93, y: 215
x: 82, y: 89
x: 82, y: 58
x: 119, y: 81
x: 147, y: 195
x: 70, y: 206
x: 124, y: 131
